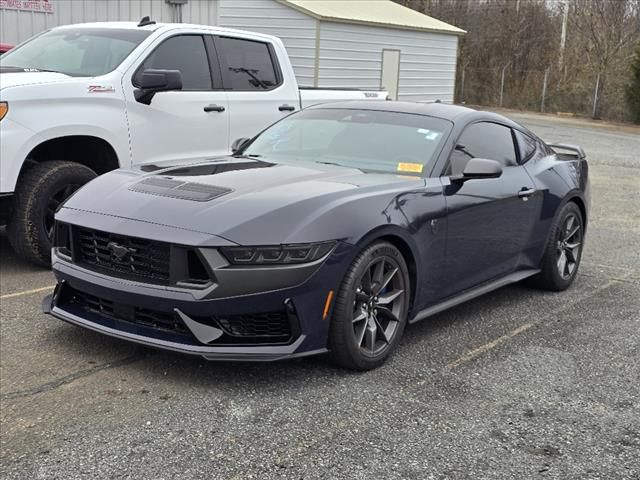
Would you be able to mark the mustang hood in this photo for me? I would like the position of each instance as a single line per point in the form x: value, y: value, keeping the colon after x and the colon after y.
x: 246, y: 201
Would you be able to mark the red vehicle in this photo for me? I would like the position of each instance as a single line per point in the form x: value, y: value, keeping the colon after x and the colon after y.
x: 5, y: 47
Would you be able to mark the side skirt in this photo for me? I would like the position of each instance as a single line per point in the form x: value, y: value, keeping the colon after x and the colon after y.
x: 473, y: 293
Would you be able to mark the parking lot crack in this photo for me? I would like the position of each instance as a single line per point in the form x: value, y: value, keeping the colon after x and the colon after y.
x: 73, y: 377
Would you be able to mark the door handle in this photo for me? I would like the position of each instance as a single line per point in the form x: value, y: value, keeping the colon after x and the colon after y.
x: 525, y: 193
x: 214, y: 108
x: 286, y: 108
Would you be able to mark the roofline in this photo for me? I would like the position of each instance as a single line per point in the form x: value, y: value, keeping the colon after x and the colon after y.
x: 457, y: 32
x: 168, y: 26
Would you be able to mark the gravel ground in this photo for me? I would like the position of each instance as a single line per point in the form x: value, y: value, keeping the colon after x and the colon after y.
x: 517, y: 384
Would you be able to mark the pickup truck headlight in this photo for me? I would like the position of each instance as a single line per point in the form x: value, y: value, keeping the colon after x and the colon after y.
x: 4, y: 108
x: 277, y: 255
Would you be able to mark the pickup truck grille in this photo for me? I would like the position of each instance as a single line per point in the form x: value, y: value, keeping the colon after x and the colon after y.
x: 122, y: 256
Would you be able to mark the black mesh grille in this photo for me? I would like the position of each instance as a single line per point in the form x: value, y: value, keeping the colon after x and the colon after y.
x: 128, y: 257
x: 129, y: 313
x: 262, y: 328
x: 274, y: 325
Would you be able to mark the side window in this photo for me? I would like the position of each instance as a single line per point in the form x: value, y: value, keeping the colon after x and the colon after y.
x: 483, y: 140
x: 526, y: 145
x: 186, y: 53
x: 246, y: 64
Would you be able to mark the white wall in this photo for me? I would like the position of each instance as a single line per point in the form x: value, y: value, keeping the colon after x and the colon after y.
x: 351, y: 55
x: 297, y: 31
x: 16, y: 25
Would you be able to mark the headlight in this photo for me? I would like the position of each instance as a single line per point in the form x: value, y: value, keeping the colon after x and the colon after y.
x: 4, y: 108
x: 277, y: 255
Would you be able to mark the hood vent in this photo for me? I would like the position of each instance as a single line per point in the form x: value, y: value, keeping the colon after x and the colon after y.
x: 168, y: 187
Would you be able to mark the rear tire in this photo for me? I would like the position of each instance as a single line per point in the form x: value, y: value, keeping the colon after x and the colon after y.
x: 563, y: 252
x: 371, y: 308
x: 38, y: 194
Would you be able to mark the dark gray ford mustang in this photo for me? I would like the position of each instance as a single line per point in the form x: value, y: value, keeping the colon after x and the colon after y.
x: 328, y: 232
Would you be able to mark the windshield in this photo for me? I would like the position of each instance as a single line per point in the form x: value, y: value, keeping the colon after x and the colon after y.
x: 84, y: 52
x: 373, y: 141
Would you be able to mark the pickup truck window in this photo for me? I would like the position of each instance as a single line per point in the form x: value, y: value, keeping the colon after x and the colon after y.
x: 82, y: 52
x: 246, y: 64
x: 186, y: 53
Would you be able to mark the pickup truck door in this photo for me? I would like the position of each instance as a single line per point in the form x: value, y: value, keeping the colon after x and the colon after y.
x: 261, y: 90
x: 192, y: 123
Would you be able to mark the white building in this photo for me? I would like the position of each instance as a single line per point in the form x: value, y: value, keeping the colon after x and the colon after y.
x: 356, y: 43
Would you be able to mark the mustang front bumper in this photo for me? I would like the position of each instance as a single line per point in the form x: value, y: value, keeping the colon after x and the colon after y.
x: 263, y: 326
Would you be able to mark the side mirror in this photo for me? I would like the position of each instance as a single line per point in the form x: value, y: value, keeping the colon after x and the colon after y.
x: 239, y: 144
x: 153, y: 81
x: 478, y: 168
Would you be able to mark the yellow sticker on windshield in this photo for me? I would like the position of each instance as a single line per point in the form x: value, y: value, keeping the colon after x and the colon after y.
x: 410, y: 167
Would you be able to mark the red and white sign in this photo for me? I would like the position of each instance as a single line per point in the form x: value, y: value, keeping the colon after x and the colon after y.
x: 45, y: 6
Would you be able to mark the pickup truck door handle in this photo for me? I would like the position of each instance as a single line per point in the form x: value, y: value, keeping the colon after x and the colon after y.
x: 525, y: 193
x: 286, y: 108
x: 214, y: 108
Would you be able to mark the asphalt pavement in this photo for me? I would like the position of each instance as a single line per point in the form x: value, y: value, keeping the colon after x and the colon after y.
x: 517, y: 384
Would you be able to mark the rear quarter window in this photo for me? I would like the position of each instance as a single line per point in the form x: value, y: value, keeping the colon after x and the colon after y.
x: 527, y: 146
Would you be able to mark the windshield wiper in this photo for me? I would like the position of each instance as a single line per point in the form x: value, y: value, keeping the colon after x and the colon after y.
x: 252, y: 74
x: 337, y: 165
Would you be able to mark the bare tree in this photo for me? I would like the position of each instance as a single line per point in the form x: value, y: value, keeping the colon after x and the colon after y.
x: 523, y: 39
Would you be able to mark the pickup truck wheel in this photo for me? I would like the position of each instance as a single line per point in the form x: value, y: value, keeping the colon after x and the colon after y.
x: 40, y: 191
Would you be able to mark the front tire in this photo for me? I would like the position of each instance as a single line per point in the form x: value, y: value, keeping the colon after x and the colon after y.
x: 371, y: 308
x: 563, y: 252
x: 38, y: 194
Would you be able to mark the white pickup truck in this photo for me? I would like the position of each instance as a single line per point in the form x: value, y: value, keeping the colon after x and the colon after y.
x: 80, y: 100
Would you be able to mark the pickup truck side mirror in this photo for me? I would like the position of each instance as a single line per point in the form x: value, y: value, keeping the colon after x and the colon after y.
x: 153, y: 81
x: 238, y: 144
x: 478, y: 168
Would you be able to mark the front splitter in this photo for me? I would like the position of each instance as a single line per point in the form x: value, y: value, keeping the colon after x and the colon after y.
x: 247, y: 354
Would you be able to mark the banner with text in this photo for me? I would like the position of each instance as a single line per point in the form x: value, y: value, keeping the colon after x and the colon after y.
x: 45, y: 6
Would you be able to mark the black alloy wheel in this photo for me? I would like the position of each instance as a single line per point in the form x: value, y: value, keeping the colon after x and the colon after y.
x: 371, y: 308
x: 378, y: 306
x: 561, y: 260
x: 569, y: 246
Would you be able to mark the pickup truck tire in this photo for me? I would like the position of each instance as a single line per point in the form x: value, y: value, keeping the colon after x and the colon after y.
x: 38, y: 194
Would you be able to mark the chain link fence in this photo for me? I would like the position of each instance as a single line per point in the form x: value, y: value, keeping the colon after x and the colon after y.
x: 551, y: 90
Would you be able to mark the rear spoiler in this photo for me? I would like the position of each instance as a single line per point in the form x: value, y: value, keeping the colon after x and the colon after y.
x: 575, y: 149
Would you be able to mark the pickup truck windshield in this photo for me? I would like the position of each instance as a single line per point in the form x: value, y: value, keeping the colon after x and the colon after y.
x: 370, y: 140
x: 82, y: 52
